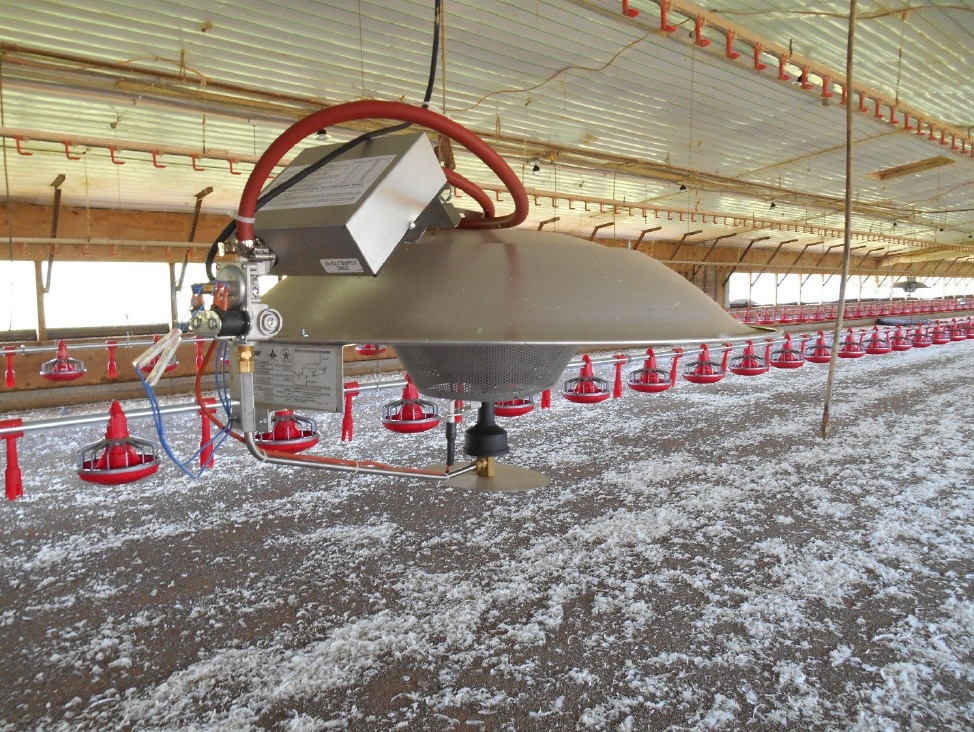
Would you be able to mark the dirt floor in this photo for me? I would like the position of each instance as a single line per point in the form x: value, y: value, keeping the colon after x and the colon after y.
x: 701, y: 560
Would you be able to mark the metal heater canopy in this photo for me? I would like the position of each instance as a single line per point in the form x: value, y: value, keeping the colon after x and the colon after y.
x: 505, y: 286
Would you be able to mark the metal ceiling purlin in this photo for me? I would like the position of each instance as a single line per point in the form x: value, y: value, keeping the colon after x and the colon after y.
x: 916, y: 51
x: 723, y: 25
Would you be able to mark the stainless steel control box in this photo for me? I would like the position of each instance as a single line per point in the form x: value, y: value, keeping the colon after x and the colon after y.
x: 348, y: 217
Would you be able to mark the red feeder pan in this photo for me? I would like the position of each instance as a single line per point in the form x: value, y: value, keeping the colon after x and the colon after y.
x: 410, y: 414
x: 586, y: 388
x: 513, y: 408
x: 958, y: 331
x: 119, y: 458
x: 921, y: 339
x: 705, y: 371
x: 749, y: 363
x: 940, y: 336
x: 289, y: 432
x: 652, y: 380
x: 171, y: 366
x: 878, y: 343
x: 970, y: 328
x: 900, y: 341
x: 789, y: 357
x: 851, y: 348
x: 820, y: 351
x: 370, y: 349
x: 63, y: 368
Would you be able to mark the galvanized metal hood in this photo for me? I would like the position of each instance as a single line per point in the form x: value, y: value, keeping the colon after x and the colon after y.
x: 507, y: 286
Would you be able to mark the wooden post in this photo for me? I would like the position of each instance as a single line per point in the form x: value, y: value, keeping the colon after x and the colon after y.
x: 39, y: 290
x: 173, y: 313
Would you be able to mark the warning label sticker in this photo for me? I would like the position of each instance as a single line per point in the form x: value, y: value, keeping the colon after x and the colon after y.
x: 340, y: 183
x: 298, y: 376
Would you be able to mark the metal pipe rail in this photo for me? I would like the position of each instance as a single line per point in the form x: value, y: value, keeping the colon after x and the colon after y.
x: 60, y: 422
x: 24, y: 350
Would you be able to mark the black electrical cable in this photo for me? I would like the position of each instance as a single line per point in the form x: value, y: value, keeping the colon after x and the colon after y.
x: 341, y: 149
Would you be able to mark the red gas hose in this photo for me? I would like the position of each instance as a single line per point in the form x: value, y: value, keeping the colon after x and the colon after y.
x: 383, y: 110
x: 471, y: 189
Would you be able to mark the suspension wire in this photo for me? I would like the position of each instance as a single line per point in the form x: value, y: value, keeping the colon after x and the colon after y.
x: 847, y: 238
x: 6, y: 190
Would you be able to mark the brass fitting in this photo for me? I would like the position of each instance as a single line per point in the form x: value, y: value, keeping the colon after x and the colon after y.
x: 486, y: 467
x: 245, y: 356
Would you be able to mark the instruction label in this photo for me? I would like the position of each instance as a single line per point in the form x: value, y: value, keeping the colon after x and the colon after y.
x: 288, y: 375
x: 342, y: 266
x: 340, y: 183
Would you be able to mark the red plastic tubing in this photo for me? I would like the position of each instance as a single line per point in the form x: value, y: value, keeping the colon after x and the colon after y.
x: 341, y: 113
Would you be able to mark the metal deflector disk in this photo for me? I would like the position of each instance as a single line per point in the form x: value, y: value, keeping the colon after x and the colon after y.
x: 507, y: 479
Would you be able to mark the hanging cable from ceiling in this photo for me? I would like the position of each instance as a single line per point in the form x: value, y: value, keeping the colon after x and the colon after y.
x: 847, y: 234
x: 440, y: 18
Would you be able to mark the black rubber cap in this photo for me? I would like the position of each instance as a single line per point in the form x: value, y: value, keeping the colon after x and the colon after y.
x: 486, y: 438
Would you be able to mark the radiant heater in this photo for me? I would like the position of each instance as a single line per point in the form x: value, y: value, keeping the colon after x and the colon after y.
x: 910, y: 285
x: 373, y: 253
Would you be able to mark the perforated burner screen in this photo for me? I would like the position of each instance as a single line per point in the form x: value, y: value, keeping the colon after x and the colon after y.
x: 483, y: 373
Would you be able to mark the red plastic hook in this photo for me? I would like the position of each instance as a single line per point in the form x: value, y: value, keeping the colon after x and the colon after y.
x: 892, y: 116
x: 112, y: 366
x: 698, y: 33
x: 232, y: 171
x: 10, y: 379
x: 781, y: 69
x: 112, y: 151
x: 862, y: 102
x: 943, y: 137
x: 155, y: 160
x: 67, y: 151
x: 826, y: 81
x: 13, y: 480
x: 932, y: 136
x: 621, y: 361
x: 757, y: 57
x: 664, y: 9
x: 878, y: 114
x: 18, y: 140
x: 919, y: 125
x: 804, y: 78
x: 627, y: 11
x: 906, y: 122
x: 731, y: 53
x: 348, y: 426
x: 195, y: 166
x: 953, y: 142
x: 845, y: 94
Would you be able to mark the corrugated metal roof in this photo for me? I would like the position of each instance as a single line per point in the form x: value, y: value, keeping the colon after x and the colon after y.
x: 562, y: 83
x: 936, y: 72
